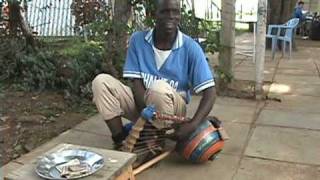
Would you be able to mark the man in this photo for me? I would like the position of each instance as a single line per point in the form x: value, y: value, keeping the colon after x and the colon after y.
x: 298, y: 11
x: 164, y: 65
x: 299, y: 14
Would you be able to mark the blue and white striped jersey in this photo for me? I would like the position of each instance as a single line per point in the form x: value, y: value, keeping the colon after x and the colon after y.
x: 185, y: 68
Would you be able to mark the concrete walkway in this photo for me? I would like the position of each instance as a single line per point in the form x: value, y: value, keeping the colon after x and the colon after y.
x: 270, y: 140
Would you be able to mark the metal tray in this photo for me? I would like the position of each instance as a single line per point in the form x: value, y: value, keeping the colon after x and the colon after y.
x: 47, y: 166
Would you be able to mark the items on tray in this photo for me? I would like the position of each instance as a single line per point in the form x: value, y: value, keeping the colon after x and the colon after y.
x: 73, y: 168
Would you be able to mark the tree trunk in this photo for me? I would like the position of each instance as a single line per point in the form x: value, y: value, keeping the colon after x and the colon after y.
x: 193, y: 8
x: 260, y: 46
x: 116, y: 40
x: 16, y: 20
x: 279, y: 12
x: 227, y: 39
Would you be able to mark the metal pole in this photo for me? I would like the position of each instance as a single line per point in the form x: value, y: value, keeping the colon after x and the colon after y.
x: 254, y: 41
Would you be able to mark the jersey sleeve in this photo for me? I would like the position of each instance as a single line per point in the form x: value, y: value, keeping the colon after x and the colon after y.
x: 131, y: 67
x: 199, y: 71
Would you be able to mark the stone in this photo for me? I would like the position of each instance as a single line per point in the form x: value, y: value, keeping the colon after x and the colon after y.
x: 95, y: 124
x: 306, y: 64
x: 252, y: 68
x: 4, y: 129
x: 235, y: 114
x: 294, y: 89
x: 240, y: 75
x: 297, y: 103
x: 238, y: 136
x: 295, y: 79
x: 29, y: 146
x: 268, y: 64
x: 285, y: 144
x: 11, y: 166
x: 81, y: 138
x: 173, y: 168
x: 259, y: 169
x: 18, y: 148
x: 228, y: 113
x: 235, y: 101
x: 37, y: 119
x: 4, y: 118
x: 286, y: 118
x: 292, y: 71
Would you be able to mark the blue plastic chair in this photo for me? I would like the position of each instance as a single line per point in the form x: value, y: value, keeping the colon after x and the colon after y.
x: 289, y: 28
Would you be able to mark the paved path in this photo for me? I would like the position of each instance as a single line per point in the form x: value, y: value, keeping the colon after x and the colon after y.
x: 270, y: 140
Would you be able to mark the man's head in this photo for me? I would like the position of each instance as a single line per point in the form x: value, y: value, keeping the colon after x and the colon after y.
x: 167, y: 15
x: 300, y: 4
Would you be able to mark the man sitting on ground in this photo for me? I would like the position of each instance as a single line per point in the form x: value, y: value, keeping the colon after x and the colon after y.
x: 164, y: 66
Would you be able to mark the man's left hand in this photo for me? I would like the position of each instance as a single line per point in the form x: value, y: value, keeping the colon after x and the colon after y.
x: 183, y: 131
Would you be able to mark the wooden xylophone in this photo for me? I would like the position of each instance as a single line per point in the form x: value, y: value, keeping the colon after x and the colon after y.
x: 144, y: 137
x: 202, y: 145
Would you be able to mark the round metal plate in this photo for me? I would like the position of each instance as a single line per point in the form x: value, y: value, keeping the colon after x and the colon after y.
x: 47, y: 166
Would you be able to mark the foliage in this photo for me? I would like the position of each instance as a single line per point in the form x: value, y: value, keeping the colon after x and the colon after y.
x: 38, y: 71
x: 30, y: 70
x: 210, y: 31
x: 87, y: 12
x: 189, y: 23
x: 72, y: 64
x: 71, y: 68
x: 11, y: 51
x: 200, y: 28
x: 221, y: 76
x: 86, y: 63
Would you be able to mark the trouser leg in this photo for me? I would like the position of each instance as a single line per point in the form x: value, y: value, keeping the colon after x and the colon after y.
x: 113, y: 100
x: 166, y: 100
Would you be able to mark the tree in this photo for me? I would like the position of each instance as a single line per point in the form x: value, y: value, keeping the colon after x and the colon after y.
x: 17, y: 21
x: 227, y: 39
x: 260, y: 46
x: 279, y: 12
x: 117, y: 37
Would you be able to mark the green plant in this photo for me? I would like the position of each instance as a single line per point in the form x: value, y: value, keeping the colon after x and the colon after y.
x: 11, y: 51
x: 210, y: 31
x: 39, y: 71
x: 71, y: 68
x: 85, y: 66
x: 223, y: 78
x: 200, y: 28
x: 189, y: 23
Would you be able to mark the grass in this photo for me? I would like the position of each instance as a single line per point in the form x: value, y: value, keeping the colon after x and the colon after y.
x: 70, y: 46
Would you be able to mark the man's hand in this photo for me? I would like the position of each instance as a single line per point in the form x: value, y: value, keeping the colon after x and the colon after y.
x: 183, y: 131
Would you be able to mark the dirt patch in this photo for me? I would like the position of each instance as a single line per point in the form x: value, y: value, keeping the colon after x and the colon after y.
x: 29, y: 119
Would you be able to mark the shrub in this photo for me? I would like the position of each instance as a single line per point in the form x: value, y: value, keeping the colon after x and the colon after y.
x: 70, y: 68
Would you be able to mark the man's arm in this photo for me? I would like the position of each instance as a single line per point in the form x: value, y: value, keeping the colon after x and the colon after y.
x: 138, y: 93
x: 299, y: 14
x: 204, y: 108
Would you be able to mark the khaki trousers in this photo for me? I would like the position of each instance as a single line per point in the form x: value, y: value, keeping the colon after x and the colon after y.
x: 113, y: 99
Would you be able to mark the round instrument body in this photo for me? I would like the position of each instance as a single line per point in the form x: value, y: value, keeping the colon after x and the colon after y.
x: 202, y: 145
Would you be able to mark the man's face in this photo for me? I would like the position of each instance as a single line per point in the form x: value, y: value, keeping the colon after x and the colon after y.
x: 301, y: 5
x: 168, y: 15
